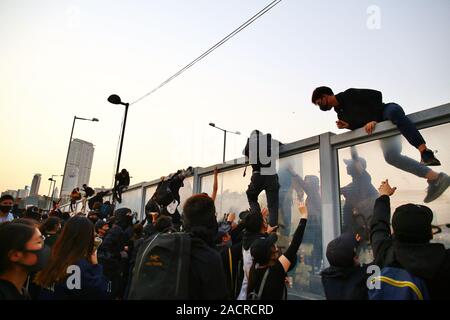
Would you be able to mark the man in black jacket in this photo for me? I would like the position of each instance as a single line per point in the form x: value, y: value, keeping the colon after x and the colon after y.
x: 262, y: 152
x: 207, y: 279
x: 409, y: 246
x: 357, y: 108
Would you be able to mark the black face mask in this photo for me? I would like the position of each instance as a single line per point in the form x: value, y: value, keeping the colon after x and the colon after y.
x: 325, y: 108
x: 43, y: 255
x: 5, y: 209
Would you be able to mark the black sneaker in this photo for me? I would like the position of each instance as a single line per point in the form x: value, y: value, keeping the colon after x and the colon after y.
x: 436, y: 188
x: 428, y: 159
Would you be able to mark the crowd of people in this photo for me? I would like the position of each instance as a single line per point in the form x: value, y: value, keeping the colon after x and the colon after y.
x: 107, y: 254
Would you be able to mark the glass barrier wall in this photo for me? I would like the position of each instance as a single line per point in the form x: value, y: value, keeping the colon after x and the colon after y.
x: 299, y: 180
x: 131, y: 199
x: 364, y: 166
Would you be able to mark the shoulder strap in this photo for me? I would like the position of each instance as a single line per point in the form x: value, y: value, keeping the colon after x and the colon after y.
x: 230, y: 259
x: 263, y: 283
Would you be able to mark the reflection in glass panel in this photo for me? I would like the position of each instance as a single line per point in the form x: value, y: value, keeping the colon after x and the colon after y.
x: 363, y: 167
x: 299, y: 181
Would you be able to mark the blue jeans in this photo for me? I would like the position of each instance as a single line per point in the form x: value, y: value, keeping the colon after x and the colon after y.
x: 392, y: 151
x: 395, y: 113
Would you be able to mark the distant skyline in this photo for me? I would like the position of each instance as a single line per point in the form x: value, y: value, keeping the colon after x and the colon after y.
x: 64, y: 58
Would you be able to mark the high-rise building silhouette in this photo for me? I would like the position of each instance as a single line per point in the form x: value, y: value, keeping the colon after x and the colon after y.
x: 35, y: 184
x: 79, y: 163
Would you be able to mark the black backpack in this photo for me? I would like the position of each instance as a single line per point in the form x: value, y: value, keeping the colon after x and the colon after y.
x: 161, y: 270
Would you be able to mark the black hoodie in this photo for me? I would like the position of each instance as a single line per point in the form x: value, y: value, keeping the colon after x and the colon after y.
x: 429, y: 261
x: 345, y: 283
x: 207, y: 279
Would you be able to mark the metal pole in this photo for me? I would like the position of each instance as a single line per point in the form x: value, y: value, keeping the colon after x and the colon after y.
x: 49, y: 189
x: 51, y: 199
x: 67, y: 158
x: 121, y: 138
x: 53, y: 192
x: 224, y: 144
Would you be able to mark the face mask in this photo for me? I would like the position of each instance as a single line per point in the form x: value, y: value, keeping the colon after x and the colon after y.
x: 325, y: 108
x: 5, y: 209
x: 43, y: 255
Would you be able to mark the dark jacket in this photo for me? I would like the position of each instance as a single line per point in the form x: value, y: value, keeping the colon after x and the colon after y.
x: 231, y: 260
x: 267, y: 153
x: 93, y: 285
x: 8, y: 291
x: 429, y: 261
x: 109, y: 251
x: 207, y: 279
x: 358, y: 107
x: 89, y: 191
x: 345, y: 283
x: 50, y: 239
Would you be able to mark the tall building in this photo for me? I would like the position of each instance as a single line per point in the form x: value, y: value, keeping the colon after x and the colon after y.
x: 23, y: 193
x: 79, y: 163
x: 35, y: 184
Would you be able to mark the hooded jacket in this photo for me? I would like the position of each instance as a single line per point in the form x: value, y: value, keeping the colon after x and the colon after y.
x: 345, y: 283
x: 207, y: 279
x: 429, y: 261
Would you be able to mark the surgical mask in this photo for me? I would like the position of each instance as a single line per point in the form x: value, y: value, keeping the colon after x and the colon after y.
x: 43, y: 255
x: 325, y: 108
x: 5, y: 209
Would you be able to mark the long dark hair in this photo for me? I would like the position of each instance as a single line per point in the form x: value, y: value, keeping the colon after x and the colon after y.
x: 13, y: 236
x: 76, y: 242
x: 49, y: 224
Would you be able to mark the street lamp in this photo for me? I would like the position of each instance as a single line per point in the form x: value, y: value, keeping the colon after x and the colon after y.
x: 224, y: 137
x: 51, y: 182
x: 115, y: 99
x: 68, y: 149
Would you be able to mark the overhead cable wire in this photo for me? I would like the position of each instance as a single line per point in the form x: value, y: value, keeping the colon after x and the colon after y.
x: 214, y: 47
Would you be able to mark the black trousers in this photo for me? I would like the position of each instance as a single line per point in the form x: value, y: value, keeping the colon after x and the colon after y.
x: 268, y: 183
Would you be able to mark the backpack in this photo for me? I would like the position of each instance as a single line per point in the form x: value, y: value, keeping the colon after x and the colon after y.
x: 398, y: 284
x: 161, y: 270
x: 257, y: 296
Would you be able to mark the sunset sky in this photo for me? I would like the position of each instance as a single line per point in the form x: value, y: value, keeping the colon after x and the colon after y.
x: 63, y: 58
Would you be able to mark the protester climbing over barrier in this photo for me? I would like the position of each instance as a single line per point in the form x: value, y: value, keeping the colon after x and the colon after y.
x: 264, y: 175
x: 121, y: 182
x: 166, y: 198
x: 358, y: 108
